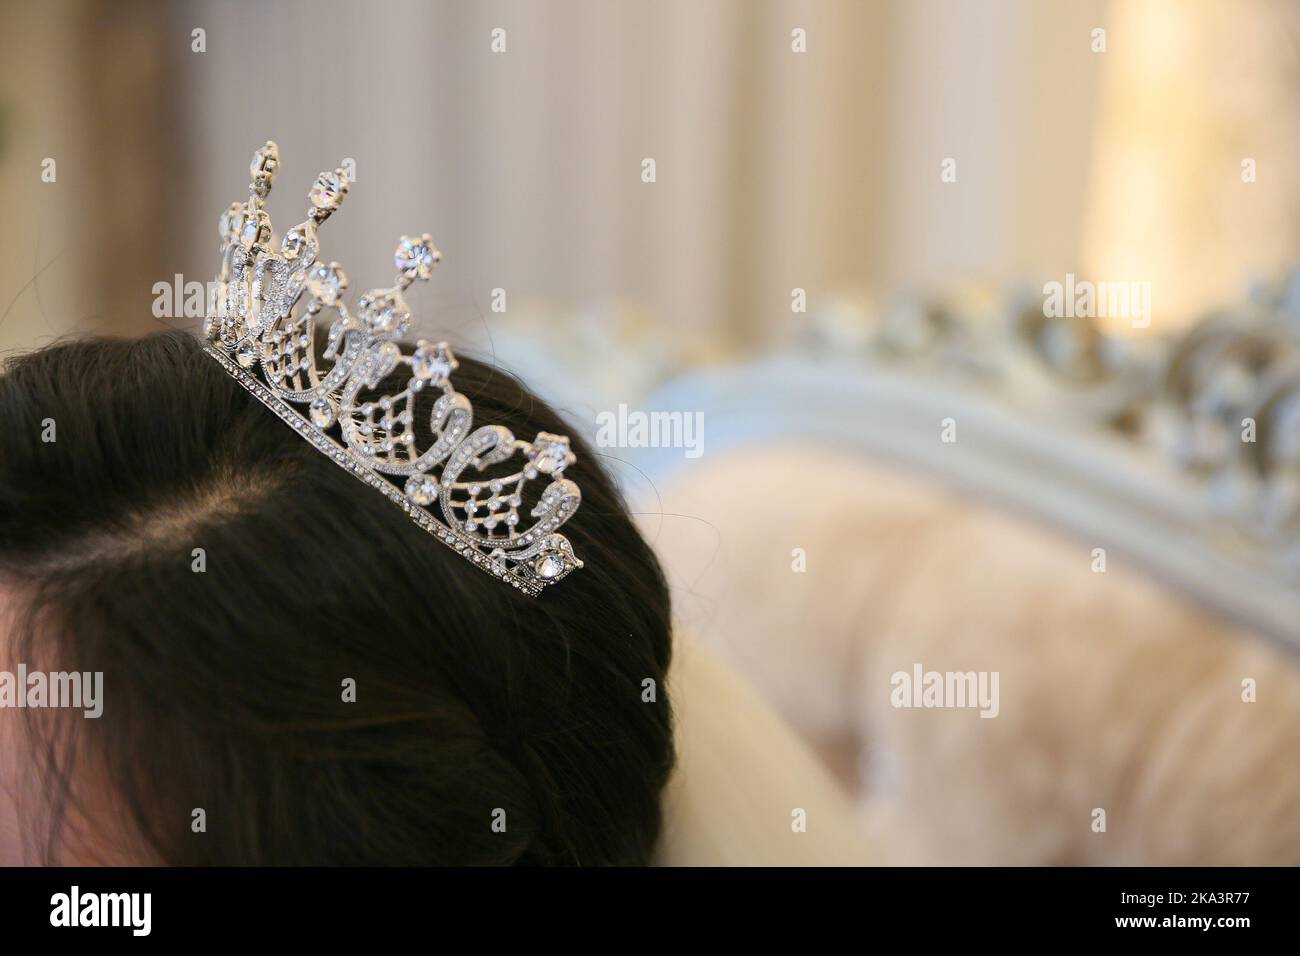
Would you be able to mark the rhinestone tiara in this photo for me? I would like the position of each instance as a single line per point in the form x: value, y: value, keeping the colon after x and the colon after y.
x: 457, y: 482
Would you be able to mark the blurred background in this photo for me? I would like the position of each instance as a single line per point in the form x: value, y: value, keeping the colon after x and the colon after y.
x: 775, y: 169
x: 853, y: 210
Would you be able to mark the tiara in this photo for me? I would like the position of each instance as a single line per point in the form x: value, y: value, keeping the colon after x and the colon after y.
x: 466, y: 486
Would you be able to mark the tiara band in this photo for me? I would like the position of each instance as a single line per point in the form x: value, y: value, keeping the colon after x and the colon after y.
x: 458, y: 482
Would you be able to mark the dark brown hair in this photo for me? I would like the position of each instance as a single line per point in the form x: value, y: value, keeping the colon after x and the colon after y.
x: 222, y: 689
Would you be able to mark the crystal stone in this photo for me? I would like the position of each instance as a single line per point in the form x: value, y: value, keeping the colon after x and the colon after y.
x: 549, y: 566
x: 322, y: 413
x: 251, y: 231
x: 415, y: 258
x: 231, y: 221
x: 246, y: 353
x: 328, y: 191
x: 551, y: 458
x: 327, y: 282
x: 430, y: 365
x: 265, y: 161
x: 385, y: 313
x: 295, y: 241
x: 422, y: 489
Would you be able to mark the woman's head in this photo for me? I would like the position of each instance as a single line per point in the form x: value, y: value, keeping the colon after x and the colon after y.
x: 233, y: 585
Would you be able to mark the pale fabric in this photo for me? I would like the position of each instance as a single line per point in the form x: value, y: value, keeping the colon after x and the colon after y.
x: 1116, y: 694
x: 742, y: 778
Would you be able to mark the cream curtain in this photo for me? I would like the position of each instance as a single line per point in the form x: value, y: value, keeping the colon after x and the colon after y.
x: 775, y: 169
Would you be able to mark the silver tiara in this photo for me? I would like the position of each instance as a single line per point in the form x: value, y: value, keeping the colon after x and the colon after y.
x: 267, y: 342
